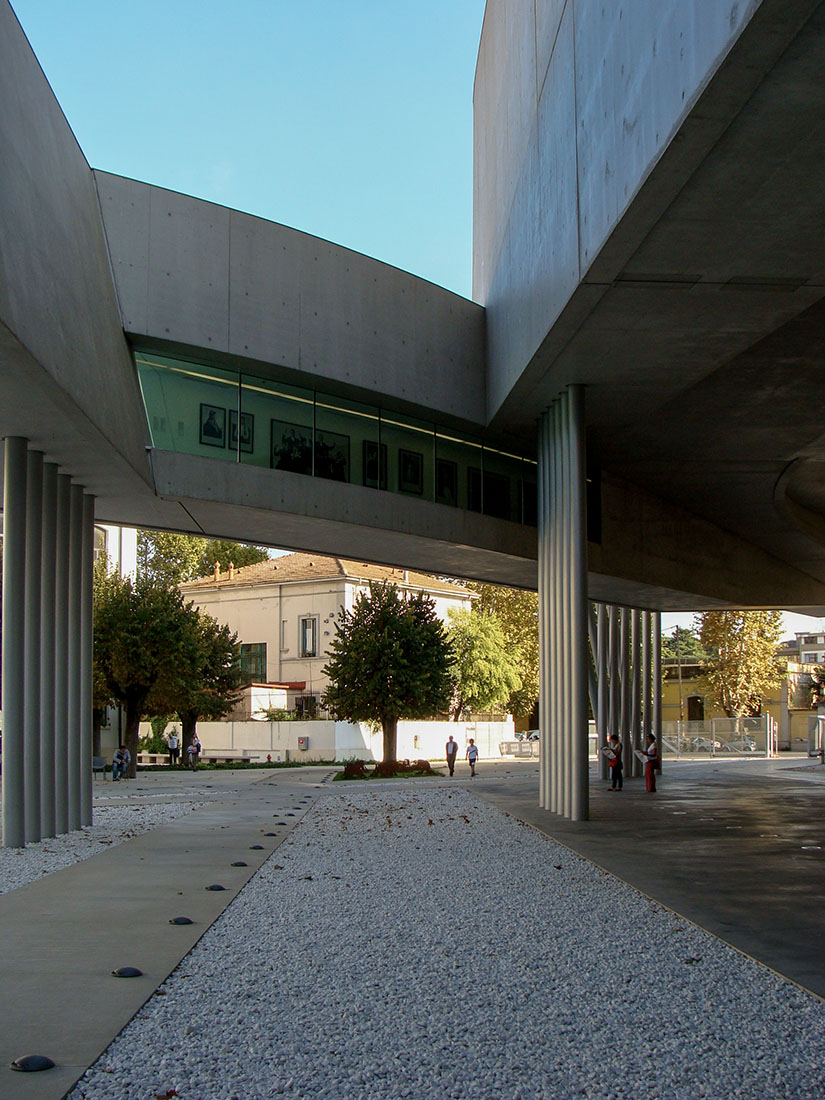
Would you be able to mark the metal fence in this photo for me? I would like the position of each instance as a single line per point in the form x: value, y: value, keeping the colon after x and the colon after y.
x: 723, y: 737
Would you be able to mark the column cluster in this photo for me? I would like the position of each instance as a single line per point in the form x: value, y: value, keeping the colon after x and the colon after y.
x: 48, y: 559
x: 562, y: 560
x: 626, y: 678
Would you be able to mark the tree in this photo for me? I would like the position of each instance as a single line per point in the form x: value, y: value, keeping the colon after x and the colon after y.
x: 741, y: 664
x: 518, y: 613
x: 205, y: 679
x: 683, y: 645
x: 139, y: 631
x: 485, y: 675
x: 173, y: 558
x: 390, y: 659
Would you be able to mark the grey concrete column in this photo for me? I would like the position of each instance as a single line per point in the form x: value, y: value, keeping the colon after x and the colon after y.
x: 577, y: 483
x: 636, y: 693
x: 603, y: 684
x: 34, y: 533
x: 543, y: 480
x: 61, y: 651
x: 557, y: 677
x: 87, y: 562
x: 47, y: 650
x: 14, y: 617
x: 613, y: 663
x: 657, y: 678
x: 647, y: 678
x: 73, y: 703
x: 624, y: 674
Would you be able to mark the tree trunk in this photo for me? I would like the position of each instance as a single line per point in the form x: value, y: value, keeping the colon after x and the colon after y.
x: 97, y: 723
x: 390, y: 729
x: 131, y: 735
x: 188, y: 725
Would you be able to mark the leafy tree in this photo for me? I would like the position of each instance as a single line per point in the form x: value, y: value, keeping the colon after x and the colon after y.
x: 741, y: 665
x: 390, y: 659
x: 205, y: 679
x: 172, y: 558
x: 140, y: 628
x: 485, y: 675
x: 683, y: 645
x: 518, y: 613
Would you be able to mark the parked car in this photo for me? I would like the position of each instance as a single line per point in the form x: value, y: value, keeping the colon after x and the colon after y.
x: 702, y: 744
x: 527, y: 735
x: 742, y: 744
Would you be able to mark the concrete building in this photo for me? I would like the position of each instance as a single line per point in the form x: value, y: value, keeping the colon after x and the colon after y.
x: 284, y: 612
x: 650, y: 302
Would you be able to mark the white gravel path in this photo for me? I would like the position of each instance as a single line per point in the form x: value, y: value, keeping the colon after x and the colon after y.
x: 113, y: 824
x: 419, y: 943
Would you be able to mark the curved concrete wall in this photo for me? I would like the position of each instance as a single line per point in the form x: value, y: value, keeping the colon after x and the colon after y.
x: 202, y: 275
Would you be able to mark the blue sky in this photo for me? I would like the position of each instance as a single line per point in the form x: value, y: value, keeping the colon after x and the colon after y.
x: 352, y: 121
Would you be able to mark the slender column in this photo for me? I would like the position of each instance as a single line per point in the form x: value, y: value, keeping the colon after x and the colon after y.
x: 47, y: 650
x: 624, y: 674
x: 566, y: 603
x: 636, y: 694
x: 14, y: 613
x: 601, y: 657
x: 647, y: 678
x: 613, y: 658
x: 657, y: 679
x: 578, y: 598
x: 86, y: 574
x: 545, y: 723
x: 61, y: 648
x: 73, y: 704
x: 560, y: 755
x: 34, y: 529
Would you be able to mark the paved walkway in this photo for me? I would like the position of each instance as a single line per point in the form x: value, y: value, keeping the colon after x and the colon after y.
x: 737, y: 847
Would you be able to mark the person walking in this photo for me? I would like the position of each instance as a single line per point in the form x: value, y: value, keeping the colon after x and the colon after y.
x: 615, y: 763
x: 472, y: 757
x: 120, y: 762
x: 173, y: 741
x: 451, y: 748
x: 652, y: 763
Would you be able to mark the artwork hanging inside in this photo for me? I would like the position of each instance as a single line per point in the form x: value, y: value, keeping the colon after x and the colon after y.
x: 446, y: 481
x: 374, y: 464
x: 213, y: 426
x: 247, y: 432
x: 291, y: 447
x: 410, y: 472
x: 332, y: 456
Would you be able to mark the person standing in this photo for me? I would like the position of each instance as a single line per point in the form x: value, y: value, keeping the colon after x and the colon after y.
x: 451, y: 748
x: 173, y: 741
x: 615, y: 763
x: 472, y: 757
x: 652, y: 763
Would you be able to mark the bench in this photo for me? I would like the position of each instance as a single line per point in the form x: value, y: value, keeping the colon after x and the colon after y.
x: 99, y: 765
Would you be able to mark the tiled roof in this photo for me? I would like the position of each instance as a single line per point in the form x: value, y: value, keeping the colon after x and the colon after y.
x: 307, y: 567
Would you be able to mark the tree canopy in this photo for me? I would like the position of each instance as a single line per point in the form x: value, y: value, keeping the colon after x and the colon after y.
x: 741, y: 665
x: 485, y: 675
x: 390, y: 659
x: 518, y: 614
x: 172, y: 558
x: 684, y: 645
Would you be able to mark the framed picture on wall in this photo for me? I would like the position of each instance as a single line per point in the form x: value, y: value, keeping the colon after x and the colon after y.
x: 291, y: 447
x: 332, y: 456
x: 374, y: 464
x: 213, y: 426
x: 474, y: 488
x: 446, y: 481
x: 247, y: 433
x: 410, y: 472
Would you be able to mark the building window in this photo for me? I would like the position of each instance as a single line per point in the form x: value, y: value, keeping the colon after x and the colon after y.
x: 306, y: 707
x: 308, y: 632
x: 101, y: 543
x: 253, y: 662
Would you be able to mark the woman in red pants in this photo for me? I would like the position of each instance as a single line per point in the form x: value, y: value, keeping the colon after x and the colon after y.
x: 652, y: 754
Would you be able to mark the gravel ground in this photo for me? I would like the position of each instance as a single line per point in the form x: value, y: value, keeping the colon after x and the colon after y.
x: 419, y: 943
x: 113, y: 824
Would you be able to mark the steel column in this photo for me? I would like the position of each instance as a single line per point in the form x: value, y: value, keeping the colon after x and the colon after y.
x: 657, y: 679
x: 31, y: 729
x: 47, y: 650
x: 603, y: 685
x: 636, y: 694
x: 647, y: 678
x: 14, y: 617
